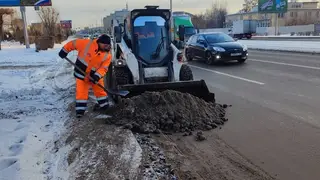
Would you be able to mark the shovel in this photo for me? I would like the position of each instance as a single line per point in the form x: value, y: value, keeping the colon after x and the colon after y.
x: 112, y: 92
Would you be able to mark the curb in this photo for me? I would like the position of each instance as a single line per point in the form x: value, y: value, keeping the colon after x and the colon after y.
x: 286, y: 51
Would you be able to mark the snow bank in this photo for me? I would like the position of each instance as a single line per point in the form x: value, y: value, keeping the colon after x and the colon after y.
x: 35, y: 91
x: 296, y: 46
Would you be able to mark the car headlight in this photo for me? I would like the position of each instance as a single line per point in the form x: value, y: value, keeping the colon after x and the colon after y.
x: 245, y: 48
x: 219, y: 49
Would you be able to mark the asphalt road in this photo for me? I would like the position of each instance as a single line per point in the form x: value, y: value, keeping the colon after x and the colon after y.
x: 275, y: 117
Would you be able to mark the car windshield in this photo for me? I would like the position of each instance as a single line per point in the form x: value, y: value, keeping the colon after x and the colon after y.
x: 190, y: 31
x: 218, y: 38
x: 151, y: 35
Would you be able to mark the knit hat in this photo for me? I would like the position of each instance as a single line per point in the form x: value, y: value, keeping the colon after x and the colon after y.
x: 104, y: 39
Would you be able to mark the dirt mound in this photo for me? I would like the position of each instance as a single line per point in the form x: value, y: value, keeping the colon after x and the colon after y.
x: 167, y: 111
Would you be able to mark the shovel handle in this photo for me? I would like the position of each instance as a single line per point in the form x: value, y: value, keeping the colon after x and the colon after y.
x: 84, y: 73
x: 120, y: 93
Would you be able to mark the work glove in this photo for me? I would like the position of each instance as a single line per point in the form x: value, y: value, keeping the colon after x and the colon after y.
x: 94, y: 78
x: 63, y: 54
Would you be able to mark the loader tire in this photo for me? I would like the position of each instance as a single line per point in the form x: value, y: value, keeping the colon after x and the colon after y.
x: 186, y: 73
x: 109, y: 82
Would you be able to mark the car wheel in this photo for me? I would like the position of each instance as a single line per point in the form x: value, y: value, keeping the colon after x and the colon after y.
x: 209, y: 58
x: 241, y: 61
x: 189, y: 55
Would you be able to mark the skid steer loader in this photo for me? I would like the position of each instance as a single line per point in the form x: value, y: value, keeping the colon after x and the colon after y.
x: 144, y: 58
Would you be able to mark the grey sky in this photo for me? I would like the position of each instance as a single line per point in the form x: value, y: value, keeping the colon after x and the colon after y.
x: 90, y: 12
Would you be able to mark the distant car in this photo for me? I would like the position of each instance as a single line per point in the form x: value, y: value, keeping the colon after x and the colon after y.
x: 214, y: 47
x: 94, y: 36
x: 86, y: 36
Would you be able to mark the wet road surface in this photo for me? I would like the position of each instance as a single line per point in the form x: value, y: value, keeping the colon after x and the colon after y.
x: 275, y: 118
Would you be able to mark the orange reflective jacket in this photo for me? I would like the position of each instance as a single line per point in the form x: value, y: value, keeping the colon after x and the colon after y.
x: 89, y: 58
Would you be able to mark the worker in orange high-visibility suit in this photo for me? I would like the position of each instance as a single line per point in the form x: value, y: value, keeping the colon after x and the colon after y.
x: 94, y: 59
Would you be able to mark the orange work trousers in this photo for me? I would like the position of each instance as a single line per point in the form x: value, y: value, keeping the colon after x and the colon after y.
x: 82, y: 94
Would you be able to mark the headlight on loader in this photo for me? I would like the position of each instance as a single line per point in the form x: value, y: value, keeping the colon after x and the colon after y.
x: 120, y: 62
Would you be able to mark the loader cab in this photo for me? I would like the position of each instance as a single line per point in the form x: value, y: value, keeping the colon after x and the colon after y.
x: 150, y: 37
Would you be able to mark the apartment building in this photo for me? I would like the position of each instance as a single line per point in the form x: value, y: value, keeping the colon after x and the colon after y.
x: 299, y: 13
x: 118, y: 15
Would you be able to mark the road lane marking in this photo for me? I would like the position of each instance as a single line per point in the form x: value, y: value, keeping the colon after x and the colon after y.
x: 229, y: 75
x: 286, y: 64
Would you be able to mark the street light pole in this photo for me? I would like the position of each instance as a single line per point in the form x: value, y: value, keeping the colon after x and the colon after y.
x: 171, y: 22
x: 25, y: 26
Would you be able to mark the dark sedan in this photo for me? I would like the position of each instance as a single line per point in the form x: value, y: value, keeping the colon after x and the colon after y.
x: 214, y: 47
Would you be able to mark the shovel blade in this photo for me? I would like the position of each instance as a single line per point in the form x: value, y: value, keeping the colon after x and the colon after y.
x: 123, y: 93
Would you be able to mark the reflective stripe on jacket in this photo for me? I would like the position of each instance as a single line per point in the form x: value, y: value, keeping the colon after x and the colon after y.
x: 89, y: 58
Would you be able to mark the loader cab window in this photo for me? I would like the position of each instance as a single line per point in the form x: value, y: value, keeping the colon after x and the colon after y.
x: 152, y: 38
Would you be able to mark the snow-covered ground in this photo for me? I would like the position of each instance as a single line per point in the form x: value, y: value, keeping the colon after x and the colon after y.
x: 289, y: 35
x: 297, y: 46
x: 35, y: 91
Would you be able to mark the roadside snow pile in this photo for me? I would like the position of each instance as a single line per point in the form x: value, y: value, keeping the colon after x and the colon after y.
x: 296, y: 46
x: 35, y: 88
x: 100, y: 151
x: 14, y: 54
x: 11, y: 44
x: 167, y: 111
x: 290, y: 36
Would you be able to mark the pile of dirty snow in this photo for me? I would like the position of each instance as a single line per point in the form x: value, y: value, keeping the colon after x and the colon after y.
x: 167, y: 111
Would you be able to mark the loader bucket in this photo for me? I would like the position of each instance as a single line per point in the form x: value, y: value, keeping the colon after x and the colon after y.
x: 196, y: 88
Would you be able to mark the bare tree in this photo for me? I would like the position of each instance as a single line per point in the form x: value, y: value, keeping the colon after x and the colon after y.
x: 34, y: 31
x: 17, y: 27
x: 216, y: 15
x: 213, y: 18
x: 199, y: 21
x: 49, y: 17
x: 249, y: 4
x: 4, y: 12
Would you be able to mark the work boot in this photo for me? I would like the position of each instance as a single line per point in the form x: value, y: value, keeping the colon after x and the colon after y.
x: 97, y: 107
x: 79, y: 114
